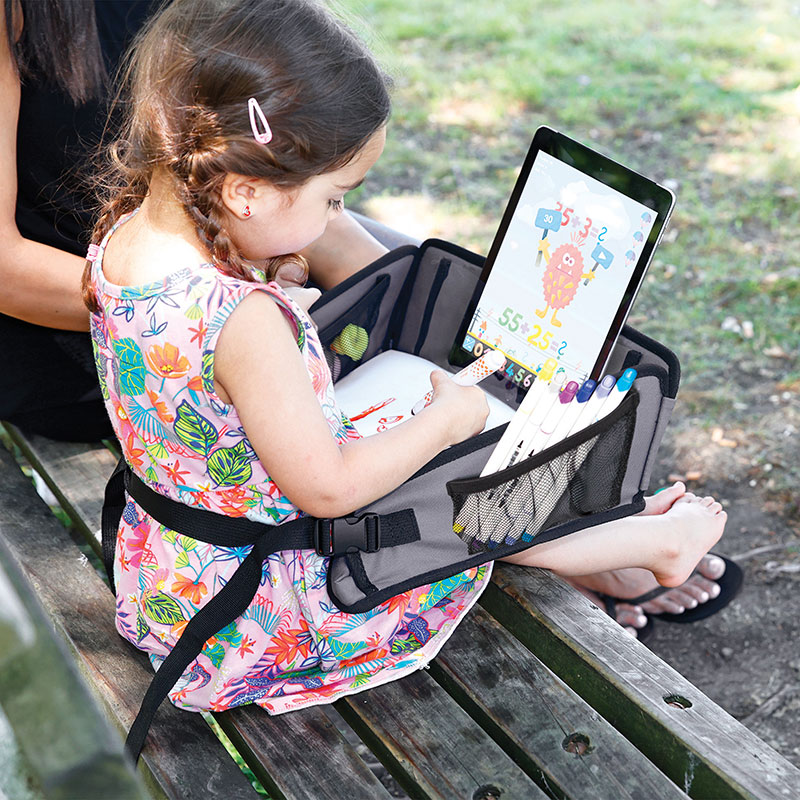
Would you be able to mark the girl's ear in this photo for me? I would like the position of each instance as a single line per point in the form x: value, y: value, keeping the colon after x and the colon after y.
x: 239, y: 192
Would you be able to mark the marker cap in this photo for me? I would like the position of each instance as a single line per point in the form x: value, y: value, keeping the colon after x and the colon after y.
x: 547, y: 370
x: 585, y: 392
x: 605, y: 387
x: 568, y: 392
x: 494, y: 360
x: 626, y: 380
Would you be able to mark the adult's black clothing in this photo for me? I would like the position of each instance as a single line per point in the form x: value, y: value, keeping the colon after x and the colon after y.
x: 48, y: 382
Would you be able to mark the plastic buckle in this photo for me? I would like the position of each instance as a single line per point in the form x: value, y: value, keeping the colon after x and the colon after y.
x: 350, y: 537
x: 323, y: 537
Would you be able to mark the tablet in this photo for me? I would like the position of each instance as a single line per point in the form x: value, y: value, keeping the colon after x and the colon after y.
x: 566, y: 263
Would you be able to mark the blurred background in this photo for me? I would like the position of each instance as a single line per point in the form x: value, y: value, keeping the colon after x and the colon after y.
x: 703, y: 96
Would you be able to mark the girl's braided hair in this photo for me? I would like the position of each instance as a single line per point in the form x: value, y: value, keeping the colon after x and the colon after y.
x: 187, y: 81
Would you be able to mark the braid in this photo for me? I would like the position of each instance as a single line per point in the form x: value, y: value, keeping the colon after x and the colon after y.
x: 209, y: 224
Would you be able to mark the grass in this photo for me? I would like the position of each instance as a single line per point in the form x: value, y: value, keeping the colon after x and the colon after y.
x: 703, y: 95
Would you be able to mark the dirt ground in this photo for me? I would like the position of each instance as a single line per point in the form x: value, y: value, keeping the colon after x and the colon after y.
x: 747, y: 657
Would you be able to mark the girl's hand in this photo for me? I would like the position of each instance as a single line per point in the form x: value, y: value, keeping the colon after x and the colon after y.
x: 465, y: 406
x: 291, y: 277
x: 304, y: 297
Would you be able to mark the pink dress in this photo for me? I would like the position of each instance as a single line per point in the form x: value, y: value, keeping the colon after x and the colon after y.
x: 154, y: 347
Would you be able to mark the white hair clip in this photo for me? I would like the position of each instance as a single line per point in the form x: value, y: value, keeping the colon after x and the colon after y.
x: 262, y: 137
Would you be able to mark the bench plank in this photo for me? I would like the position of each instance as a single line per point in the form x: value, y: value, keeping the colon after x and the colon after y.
x: 430, y: 745
x: 183, y: 758
x: 73, y: 472
x: 531, y: 713
x: 702, y: 748
x: 271, y: 746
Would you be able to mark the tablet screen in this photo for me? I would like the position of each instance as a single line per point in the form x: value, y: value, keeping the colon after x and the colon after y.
x: 566, y: 263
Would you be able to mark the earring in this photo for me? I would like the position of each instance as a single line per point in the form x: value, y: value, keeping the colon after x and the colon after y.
x: 246, y: 211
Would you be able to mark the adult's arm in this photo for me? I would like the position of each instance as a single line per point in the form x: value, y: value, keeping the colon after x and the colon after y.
x: 344, y: 248
x: 38, y: 283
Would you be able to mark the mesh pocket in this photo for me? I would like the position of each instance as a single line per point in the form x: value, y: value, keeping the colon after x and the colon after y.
x: 576, y: 478
x: 348, y: 338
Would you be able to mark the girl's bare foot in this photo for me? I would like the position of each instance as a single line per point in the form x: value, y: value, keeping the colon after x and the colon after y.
x: 661, y: 501
x: 691, y: 527
x: 634, y: 582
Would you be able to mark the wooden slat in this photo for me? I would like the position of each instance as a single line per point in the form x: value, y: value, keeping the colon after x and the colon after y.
x: 531, y: 713
x: 73, y: 472
x: 702, y: 748
x: 300, y: 755
x: 183, y: 759
x: 69, y: 746
x: 79, y: 472
x: 430, y: 745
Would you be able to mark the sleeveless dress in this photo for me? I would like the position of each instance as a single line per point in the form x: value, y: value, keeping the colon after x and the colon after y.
x: 154, y: 347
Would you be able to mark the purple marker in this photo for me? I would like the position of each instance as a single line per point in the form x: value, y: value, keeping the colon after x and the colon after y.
x: 574, y: 410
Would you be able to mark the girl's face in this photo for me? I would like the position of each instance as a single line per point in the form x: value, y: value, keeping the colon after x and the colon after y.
x: 282, y: 222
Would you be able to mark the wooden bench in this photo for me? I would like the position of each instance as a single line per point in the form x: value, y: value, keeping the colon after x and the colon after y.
x: 537, y: 694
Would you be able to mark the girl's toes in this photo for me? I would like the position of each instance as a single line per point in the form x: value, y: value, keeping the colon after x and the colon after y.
x: 663, y: 499
x: 683, y: 598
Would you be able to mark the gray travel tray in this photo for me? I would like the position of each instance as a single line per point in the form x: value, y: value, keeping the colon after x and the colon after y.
x: 413, y: 300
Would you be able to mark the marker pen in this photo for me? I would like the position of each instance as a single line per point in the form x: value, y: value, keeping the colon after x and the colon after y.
x: 504, y: 448
x: 593, y: 404
x: 530, y: 434
x: 574, y: 410
x: 488, y: 363
x: 534, y: 421
x: 617, y: 395
x: 551, y: 421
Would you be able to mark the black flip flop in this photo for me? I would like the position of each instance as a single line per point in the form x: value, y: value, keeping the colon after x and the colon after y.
x: 729, y: 585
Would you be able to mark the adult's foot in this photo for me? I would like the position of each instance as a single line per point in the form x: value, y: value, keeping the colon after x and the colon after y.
x: 630, y: 617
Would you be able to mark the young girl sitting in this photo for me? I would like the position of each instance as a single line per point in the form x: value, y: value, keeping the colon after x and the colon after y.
x: 247, y: 124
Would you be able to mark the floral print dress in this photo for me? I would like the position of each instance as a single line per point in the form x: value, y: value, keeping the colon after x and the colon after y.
x: 154, y: 347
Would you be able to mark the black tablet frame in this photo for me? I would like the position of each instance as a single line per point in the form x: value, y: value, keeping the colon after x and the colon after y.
x: 614, y: 175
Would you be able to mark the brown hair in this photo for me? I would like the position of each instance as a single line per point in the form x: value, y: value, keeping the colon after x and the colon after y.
x: 58, y: 45
x: 189, y: 77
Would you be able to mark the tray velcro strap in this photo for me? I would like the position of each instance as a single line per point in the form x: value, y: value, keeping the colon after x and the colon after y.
x: 368, y: 532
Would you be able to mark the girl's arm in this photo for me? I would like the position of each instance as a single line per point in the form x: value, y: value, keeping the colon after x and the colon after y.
x: 40, y: 284
x: 259, y: 368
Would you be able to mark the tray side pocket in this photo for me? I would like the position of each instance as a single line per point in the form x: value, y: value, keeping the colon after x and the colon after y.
x: 348, y: 338
x: 577, y: 478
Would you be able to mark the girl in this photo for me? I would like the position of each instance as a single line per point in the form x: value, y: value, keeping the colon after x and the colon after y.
x: 248, y: 123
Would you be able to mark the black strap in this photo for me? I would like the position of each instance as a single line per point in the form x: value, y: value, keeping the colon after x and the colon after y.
x: 329, y: 537
x: 113, y: 506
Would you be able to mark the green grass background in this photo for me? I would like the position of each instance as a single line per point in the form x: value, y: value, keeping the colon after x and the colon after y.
x: 702, y: 95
